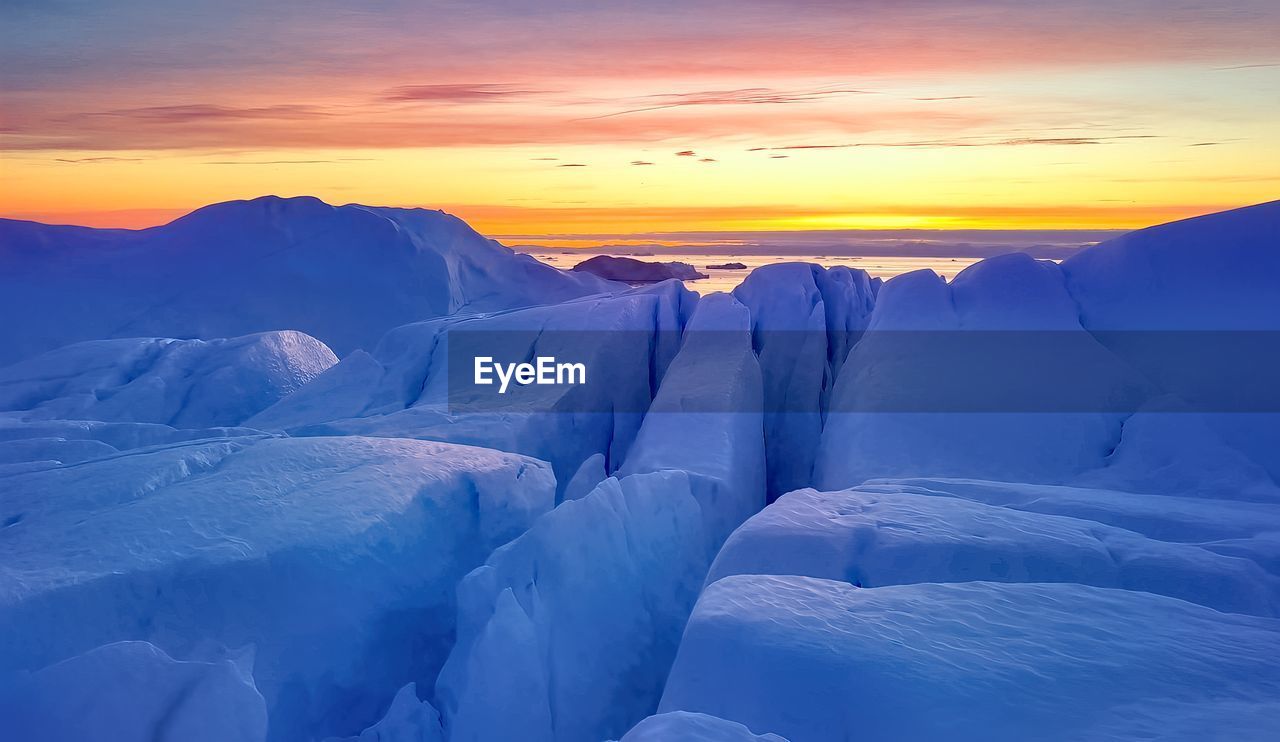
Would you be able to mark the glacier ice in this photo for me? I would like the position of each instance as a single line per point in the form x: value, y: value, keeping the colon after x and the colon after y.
x: 1012, y: 293
x: 133, y: 692
x: 589, y: 474
x: 803, y: 319
x: 687, y: 727
x: 180, y: 383
x: 571, y: 627
x: 408, y: 720
x: 343, y: 274
x: 351, y: 544
x: 589, y: 602
x: 722, y: 449
x: 872, y: 539
x: 816, y: 660
x: 401, y: 389
x: 563, y: 569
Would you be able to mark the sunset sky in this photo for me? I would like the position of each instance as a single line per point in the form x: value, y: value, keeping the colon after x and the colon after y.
x: 563, y: 117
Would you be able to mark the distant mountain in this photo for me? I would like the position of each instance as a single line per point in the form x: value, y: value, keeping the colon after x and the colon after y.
x: 343, y: 274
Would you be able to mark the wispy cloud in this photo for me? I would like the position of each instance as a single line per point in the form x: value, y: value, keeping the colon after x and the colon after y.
x: 1248, y: 66
x: 203, y: 112
x: 969, y: 142
x: 289, y: 162
x: 95, y: 160
x: 458, y: 93
x: 739, y: 97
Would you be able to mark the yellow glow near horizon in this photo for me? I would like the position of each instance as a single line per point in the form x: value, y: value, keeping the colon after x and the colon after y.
x: 1028, y: 133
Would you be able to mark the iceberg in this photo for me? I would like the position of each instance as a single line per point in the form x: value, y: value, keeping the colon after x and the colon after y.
x: 342, y: 274
x: 632, y: 271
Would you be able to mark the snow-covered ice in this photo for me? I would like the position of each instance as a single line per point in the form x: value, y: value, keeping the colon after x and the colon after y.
x: 803, y: 319
x: 820, y: 660
x: 687, y: 727
x: 212, y: 528
x: 408, y: 720
x: 589, y: 603
x: 180, y: 383
x: 901, y: 360
x: 133, y: 692
x: 336, y: 557
x: 343, y: 274
x: 872, y: 539
x: 570, y: 628
x: 402, y: 388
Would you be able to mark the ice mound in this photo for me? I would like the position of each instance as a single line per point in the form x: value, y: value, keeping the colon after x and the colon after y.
x: 804, y: 319
x: 179, y: 383
x: 343, y: 274
x: 402, y: 389
x: 1214, y: 272
x: 1179, y: 519
x: 915, y: 348
x: 722, y: 449
x: 336, y: 557
x: 132, y: 692
x: 816, y: 660
x: 872, y: 539
x: 408, y: 720
x: 687, y: 727
x: 1163, y: 450
x: 572, y: 626
x: 44, y: 444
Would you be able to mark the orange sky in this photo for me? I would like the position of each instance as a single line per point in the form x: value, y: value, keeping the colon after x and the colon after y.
x: 544, y: 118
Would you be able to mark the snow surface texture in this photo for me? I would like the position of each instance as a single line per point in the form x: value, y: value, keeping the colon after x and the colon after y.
x: 872, y: 539
x: 343, y: 274
x: 401, y: 389
x: 133, y: 692
x: 681, y: 725
x: 823, y: 660
x: 802, y: 320
x: 566, y: 668
x: 353, y: 545
x: 181, y: 383
x: 1009, y: 293
x: 242, y: 539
